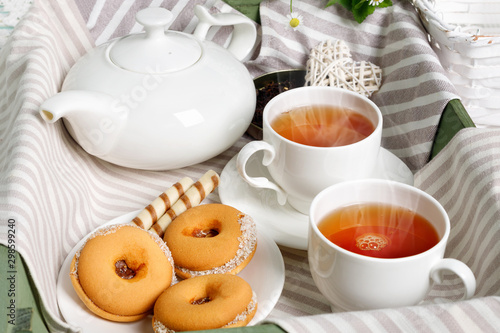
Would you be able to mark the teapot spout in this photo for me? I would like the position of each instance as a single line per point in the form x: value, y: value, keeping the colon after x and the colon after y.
x: 73, y: 102
x: 94, y: 119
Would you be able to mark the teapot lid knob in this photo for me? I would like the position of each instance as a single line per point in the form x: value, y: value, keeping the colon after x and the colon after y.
x: 154, y: 21
x: 156, y: 51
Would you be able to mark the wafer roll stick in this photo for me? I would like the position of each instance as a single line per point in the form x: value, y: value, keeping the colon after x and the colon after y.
x: 193, y: 197
x: 149, y: 215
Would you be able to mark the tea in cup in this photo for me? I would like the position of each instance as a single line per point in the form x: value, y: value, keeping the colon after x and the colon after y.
x: 379, y: 244
x: 314, y: 137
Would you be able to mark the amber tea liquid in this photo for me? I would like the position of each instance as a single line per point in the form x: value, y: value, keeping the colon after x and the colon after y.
x: 378, y: 230
x: 323, y: 126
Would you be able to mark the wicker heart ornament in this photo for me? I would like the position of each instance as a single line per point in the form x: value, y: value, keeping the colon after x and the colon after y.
x: 330, y: 64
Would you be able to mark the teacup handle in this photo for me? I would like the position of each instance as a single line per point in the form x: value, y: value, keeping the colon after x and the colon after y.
x: 460, y: 269
x: 260, y: 182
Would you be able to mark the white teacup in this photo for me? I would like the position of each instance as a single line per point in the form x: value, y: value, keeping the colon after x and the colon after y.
x: 352, y: 281
x: 299, y: 171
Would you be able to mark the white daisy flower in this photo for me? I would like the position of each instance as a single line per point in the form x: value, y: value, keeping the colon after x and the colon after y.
x: 375, y: 2
x: 294, y: 21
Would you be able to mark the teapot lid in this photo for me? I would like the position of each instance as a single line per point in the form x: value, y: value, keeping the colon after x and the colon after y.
x: 156, y: 51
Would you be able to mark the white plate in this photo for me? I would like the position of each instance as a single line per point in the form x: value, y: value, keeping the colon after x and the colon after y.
x: 284, y: 224
x: 265, y: 273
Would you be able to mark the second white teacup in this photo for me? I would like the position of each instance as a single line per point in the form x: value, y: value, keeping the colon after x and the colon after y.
x: 300, y: 171
x: 365, y: 258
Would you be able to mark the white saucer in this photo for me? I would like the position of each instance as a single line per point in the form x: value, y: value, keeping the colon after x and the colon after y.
x: 267, y: 261
x: 284, y: 224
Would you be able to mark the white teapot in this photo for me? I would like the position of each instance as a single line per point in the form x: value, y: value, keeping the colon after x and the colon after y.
x: 160, y: 99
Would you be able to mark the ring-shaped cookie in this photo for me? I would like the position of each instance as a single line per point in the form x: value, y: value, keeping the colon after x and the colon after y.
x: 120, y: 271
x: 211, y: 239
x: 205, y: 302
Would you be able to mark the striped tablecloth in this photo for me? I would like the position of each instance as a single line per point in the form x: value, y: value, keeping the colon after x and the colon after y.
x: 57, y: 193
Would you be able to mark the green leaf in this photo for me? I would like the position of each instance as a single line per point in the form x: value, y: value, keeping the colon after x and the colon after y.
x: 359, y: 8
x: 358, y: 5
x: 361, y: 13
x: 386, y: 3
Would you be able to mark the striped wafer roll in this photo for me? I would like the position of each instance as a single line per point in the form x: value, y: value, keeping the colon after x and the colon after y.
x: 193, y: 196
x: 149, y: 215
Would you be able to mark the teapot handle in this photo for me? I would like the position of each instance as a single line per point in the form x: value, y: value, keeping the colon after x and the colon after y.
x: 244, y: 33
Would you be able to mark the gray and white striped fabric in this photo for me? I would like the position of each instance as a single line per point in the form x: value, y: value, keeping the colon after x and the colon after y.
x: 57, y: 193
